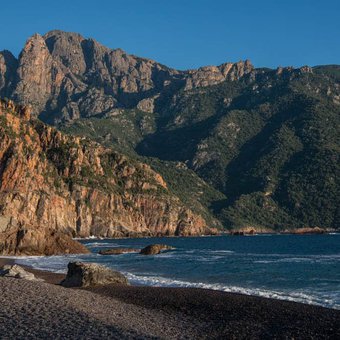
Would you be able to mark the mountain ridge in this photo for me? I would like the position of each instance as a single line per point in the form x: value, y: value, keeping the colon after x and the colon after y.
x: 265, y: 139
x: 66, y: 62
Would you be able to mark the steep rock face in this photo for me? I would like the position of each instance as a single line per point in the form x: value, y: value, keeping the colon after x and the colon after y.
x: 55, y: 184
x: 34, y: 74
x: 65, y: 76
x: 8, y: 67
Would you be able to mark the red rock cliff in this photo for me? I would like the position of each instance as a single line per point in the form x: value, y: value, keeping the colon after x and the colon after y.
x: 52, y: 185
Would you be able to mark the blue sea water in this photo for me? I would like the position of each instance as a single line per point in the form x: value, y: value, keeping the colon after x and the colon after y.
x: 303, y: 268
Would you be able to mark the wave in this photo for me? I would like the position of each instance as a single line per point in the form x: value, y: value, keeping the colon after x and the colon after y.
x: 100, y: 244
x: 58, y: 264
x: 288, y: 260
x: 220, y: 251
x: 302, y: 297
x: 310, y: 259
x: 87, y: 238
x: 55, y: 264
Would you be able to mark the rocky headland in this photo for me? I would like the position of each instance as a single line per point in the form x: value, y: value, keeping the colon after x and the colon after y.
x: 54, y: 187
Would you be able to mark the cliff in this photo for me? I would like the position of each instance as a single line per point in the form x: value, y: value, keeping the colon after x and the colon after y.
x: 52, y: 185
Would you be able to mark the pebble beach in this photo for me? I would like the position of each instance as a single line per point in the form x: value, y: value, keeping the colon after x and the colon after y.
x: 45, y: 310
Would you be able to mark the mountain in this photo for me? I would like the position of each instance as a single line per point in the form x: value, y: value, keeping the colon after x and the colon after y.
x: 256, y: 148
x: 65, y: 76
x: 270, y: 145
x: 55, y: 185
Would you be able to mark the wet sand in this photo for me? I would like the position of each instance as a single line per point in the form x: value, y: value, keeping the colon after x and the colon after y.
x: 46, y: 310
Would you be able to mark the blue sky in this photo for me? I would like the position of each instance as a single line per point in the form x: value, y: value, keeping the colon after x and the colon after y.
x: 189, y: 33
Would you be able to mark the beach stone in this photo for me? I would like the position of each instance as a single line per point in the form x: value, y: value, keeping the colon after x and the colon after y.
x: 154, y: 249
x: 17, y: 272
x: 118, y: 251
x: 91, y: 274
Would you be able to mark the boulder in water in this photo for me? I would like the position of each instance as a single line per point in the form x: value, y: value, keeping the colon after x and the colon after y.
x: 154, y: 249
x: 91, y: 274
x: 118, y: 251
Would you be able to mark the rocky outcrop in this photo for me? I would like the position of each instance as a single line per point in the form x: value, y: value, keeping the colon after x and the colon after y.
x: 54, y: 187
x: 38, y: 240
x: 308, y: 230
x: 212, y: 75
x: 251, y: 230
x: 91, y: 274
x: 17, y: 272
x: 147, y: 104
x: 118, y: 251
x: 154, y: 249
x: 65, y: 76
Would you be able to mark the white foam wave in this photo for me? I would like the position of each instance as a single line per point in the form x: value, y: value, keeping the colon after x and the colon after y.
x: 302, y: 297
x: 100, y: 244
x: 55, y: 264
x: 288, y: 260
x: 88, y: 238
x: 220, y: 252
x: 309, y: 259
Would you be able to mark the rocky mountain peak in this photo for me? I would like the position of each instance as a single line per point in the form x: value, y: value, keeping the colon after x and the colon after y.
x: 66, y: 48
x: 34, y: 43
x: 34, y: 73
x: 65, y: 76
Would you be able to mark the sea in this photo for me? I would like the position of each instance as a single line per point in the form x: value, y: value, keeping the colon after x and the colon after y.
x: 301, y: 268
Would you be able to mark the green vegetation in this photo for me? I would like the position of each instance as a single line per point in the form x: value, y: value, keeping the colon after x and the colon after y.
x: 258, y: 152
x: 123, y: 131
x: 189, y: 188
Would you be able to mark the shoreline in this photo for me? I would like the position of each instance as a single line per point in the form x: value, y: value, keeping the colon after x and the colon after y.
x: 223, y: 233
x: 53, y: 277
x: 195, y: 312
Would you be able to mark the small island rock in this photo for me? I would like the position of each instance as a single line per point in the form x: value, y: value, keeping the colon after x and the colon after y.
x: 154, y: 249
x: 91, y: 274
x: 118, y: 251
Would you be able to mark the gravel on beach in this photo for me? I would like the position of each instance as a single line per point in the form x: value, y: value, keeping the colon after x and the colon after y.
x: 35, y: 310
x: 44, y: 310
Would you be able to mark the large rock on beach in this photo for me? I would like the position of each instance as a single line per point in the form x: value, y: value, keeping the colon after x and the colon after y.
x: 154, y: 249
x: 91, y: 274
x: 17, y: 272
x: 118, y: 251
